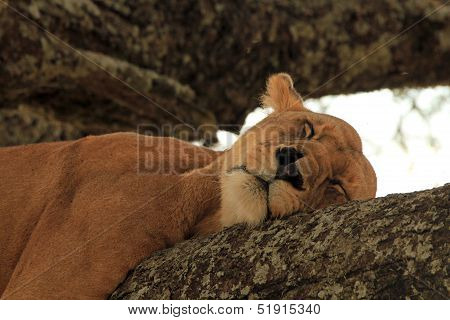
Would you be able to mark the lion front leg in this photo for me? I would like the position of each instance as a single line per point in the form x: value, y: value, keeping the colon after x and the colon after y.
x: 91, y: 269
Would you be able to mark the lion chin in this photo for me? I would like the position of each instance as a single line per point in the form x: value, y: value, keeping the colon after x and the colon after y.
x: 245, y: 198
x: 251, y: 199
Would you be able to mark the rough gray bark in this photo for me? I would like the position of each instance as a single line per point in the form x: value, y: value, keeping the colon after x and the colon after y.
x: 205, y: 61
x: 395, y: 247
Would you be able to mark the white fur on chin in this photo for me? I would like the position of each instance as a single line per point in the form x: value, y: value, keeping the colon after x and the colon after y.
x: 244, y: 199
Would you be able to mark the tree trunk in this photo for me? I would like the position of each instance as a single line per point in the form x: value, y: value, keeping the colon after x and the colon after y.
x: 395, y: 247
x: 117, y: 64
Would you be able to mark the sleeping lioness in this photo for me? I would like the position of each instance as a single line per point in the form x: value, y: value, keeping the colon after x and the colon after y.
x: 76, y: 216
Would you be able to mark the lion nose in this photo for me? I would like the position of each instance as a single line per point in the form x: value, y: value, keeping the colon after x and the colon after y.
x: 287, y: 155
x: 287, y: 169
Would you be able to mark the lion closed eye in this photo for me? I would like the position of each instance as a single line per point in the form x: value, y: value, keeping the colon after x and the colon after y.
x: 77, y: 215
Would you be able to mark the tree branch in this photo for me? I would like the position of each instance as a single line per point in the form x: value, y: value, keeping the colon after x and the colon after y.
x: 395, y: 247
x: 208, y: 60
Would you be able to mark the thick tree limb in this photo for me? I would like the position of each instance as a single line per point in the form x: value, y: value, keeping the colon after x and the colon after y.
x: 208, y: 60
x: 395, y: 247
x: 35, y: 124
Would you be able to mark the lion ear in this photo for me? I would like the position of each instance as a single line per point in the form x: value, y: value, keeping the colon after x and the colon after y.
x: 281, y: 95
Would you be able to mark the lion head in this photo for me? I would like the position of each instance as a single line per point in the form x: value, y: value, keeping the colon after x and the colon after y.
x: 293, y: 160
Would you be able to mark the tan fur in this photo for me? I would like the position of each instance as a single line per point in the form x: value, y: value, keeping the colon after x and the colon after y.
x: 77, y: 216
